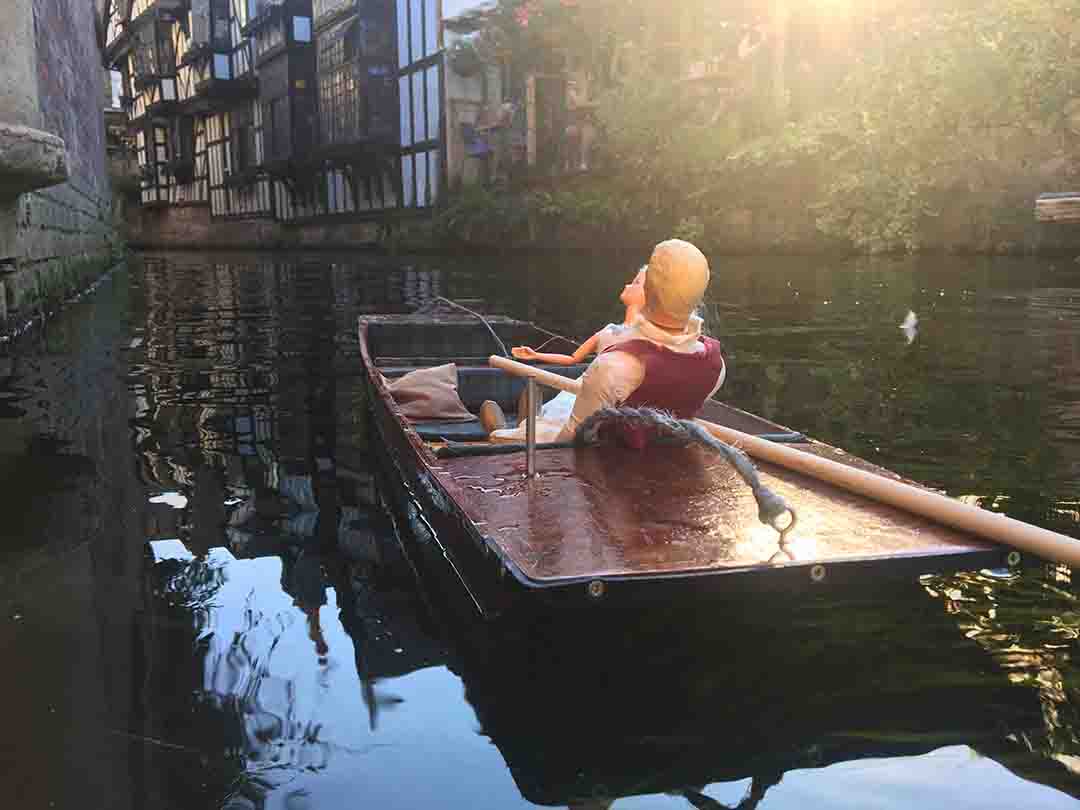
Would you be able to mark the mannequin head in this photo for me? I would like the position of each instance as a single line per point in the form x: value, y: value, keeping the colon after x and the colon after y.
x: 678, y: 274
x: 633, y: 294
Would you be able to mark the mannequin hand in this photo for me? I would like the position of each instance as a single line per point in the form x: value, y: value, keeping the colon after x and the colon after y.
x: 523, y: 353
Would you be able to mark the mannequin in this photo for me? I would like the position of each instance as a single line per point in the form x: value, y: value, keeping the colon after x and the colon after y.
x: 665, y: 362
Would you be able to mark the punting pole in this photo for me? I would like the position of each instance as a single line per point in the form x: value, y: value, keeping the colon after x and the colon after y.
x: 531, y: 393
x: 548, y: 378
x: 948, y: 511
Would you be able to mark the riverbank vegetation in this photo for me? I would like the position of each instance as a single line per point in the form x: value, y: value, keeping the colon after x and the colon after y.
x: 899, y: 125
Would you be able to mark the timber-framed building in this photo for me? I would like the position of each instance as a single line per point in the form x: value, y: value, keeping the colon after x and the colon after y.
x: 292, y: 110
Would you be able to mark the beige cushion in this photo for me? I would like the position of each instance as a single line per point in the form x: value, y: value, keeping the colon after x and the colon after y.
x: 430, y: 393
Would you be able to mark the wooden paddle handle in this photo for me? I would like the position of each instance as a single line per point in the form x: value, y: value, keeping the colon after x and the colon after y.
x: 547, y: 378
x: 941, y: 508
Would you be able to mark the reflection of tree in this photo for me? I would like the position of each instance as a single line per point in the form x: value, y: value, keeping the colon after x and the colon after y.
x: 965, y: 407
x: 235, y: 699
x: 238, y: 680
x: 380, y: 609
x: 168, y: 700
x: 802, y: 695
x: 1030, y: 624
x: 189, y: 585
x: 754, y: 795
x: 593, y: 707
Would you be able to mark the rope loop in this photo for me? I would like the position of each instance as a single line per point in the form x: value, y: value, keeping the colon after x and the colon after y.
x: 668, y: 429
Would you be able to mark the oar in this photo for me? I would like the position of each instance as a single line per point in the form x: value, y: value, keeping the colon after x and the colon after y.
x: 941, y: 508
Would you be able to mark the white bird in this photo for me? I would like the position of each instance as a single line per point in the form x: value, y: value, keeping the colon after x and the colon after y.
x: 910, y: 326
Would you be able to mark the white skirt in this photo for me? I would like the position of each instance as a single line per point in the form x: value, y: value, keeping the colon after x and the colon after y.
x: 553, y: 416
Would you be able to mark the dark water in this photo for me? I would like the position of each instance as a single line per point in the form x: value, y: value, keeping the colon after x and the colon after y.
x: 203, y: 605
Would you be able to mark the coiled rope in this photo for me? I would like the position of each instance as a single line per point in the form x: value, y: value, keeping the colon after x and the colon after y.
x: 671, y: 430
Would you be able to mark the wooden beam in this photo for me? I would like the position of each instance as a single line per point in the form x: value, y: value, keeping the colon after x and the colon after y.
x: 1058, y: 208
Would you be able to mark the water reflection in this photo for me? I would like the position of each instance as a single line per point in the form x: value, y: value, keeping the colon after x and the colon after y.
x: 329, y: 675
x: 1029, y: 625
x: 212, y: 543
x: 334, y: 678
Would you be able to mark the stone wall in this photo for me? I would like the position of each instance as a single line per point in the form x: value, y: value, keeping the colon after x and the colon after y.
x: 190, y: 226
x: 54, y: 237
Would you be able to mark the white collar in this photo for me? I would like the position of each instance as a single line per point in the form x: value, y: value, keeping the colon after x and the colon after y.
x: 651, y: 331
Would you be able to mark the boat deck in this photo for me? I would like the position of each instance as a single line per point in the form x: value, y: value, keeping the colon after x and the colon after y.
x: 617, y: 512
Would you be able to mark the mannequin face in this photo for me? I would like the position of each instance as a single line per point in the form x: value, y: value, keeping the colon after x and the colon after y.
x: 633, y: 294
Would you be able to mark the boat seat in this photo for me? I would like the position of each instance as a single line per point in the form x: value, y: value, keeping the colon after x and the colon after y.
x: 479, y: 383
x: 435, y: 431
x: 475, y: 385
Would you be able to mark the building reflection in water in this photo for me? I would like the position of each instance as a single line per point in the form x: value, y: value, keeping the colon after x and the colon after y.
x: 285, y: 657
x: 242, y: 392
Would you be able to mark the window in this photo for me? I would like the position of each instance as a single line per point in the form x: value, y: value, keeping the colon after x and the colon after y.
x: 326, y: 8
x: 434, y: 118
x: 354, y: 40
x: 243, y: 140
x: 335, y: 47
x: 421, y: 180
x: 277, y: 127
x: 419, y: 116
x: 143, y: 55
x: 431, y: 27
x: 403, y: 32
x: 301, y: 27
x: 407, y: 187
x: 221, y: 35
x: 222, y: 68
x: 406, y: 115
x: 433, y: 176
x: 416, y: 29
x: 166, y: 53
x: 116, y: 88
x: 184, y: 138
x: 199, y: 17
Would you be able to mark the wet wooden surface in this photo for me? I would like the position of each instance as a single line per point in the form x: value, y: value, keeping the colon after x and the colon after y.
x: 610, y: 511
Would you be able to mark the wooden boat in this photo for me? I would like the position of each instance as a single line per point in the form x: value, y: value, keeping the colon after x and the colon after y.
x: 611, y: 525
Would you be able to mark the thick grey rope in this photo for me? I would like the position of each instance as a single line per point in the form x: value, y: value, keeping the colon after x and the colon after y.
x: 771, y: 507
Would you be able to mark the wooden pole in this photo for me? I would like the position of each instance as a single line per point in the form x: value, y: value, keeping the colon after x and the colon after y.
x: 548, y: 378
x: 941, y: 508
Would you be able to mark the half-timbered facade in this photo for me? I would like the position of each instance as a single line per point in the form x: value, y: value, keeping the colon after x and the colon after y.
x: 296, y: 110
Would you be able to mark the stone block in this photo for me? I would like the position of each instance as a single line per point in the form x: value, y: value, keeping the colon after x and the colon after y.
x: 29, y: 159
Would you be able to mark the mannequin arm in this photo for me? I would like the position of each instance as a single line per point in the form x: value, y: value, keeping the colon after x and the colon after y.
x: 583, y: 351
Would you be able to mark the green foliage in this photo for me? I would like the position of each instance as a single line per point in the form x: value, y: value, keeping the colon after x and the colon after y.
x: 939, y: 108
x: 491, y: 216
x: 692, y: 229
x: 481, y: 214
x: 930, y: 114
